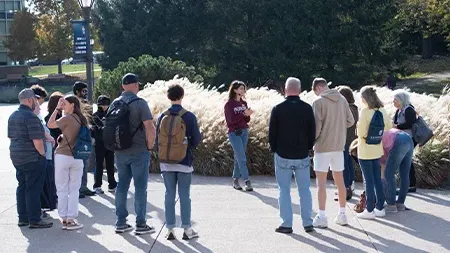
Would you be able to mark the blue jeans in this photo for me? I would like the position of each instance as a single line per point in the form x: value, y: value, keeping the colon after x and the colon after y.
x: 400, y: 159
x: 239, y: 144
x: 132, y: 166
x: 349, y: 170
x: 31, y: 178
x: 372, y: 176
x: 283, y: 172
x: 171, y: 179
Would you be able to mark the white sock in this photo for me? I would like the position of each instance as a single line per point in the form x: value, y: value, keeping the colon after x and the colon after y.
x: 341, y: 210
x: 322, y: 213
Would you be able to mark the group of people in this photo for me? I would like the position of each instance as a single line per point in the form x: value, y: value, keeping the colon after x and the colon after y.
x: 334, y: 129
x: 48, y: 170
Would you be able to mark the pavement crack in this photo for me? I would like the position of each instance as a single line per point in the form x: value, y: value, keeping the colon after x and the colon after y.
x: 4, y: 211
x: 159, y: 232
x: 365, y: 232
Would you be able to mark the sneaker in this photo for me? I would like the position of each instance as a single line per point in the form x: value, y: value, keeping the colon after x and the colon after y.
x: 320, y: 222
x: 401, y: 207
x: 379, y: 213
x: 112, y: 189
x: 390, y: 209
x: 189, y: 234
x: 98, y: 190
x: 73, y: 225
x: 64, y: 225
x: 309, y: 229
x: 87, y: 192
x: 412, y: 189
x: 123, y: 228
x: 82, y: 196
x: 366, y: 215
x: 23, y: 223
x: 170, y: 235
x: 41, y: 224
x: 236, y: 184
x: 142, y: 230
x: 284, y: 230
x: 341, y: 219
x: 248, y: 186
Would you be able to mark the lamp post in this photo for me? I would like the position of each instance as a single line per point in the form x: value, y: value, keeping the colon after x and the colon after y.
x: 86, y: 6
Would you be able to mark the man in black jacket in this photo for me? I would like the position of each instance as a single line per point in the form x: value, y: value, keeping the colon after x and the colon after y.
x: 292, y: 133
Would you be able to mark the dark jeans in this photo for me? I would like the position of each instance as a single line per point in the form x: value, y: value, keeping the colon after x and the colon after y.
x: 349, y: 170
x: 31, y: 177
x: 48, y: 194
x: 372, y: 175
x: 103, y: 155
x: 412, y: 172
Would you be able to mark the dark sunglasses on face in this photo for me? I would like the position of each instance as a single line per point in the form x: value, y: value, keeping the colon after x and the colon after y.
x: 84, y: 90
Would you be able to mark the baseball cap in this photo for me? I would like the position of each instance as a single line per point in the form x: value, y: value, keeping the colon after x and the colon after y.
x: 103, y: 100
x: 130, y: 78
x: 27, y: 93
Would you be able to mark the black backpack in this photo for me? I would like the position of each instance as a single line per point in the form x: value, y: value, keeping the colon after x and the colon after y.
x: 376, y: 129
x: 117, y: 134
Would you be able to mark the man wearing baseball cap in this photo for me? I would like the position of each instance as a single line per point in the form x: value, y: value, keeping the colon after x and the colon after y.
x: 27, y: 152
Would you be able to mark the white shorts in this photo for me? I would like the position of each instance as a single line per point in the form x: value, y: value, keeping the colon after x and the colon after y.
x: 332, y: 160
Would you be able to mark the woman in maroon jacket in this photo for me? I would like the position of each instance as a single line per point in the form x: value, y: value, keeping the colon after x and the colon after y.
x: 237, y: 116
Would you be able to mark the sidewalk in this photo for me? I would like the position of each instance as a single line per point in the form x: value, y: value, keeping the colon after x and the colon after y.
x: 231, y: 221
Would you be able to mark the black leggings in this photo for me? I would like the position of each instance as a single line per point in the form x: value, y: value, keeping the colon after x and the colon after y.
x: 103, y: 155
x: 412, y: 172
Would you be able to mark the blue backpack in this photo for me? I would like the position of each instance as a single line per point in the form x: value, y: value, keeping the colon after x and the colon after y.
x: 83, y: 144
x: 376, y: 129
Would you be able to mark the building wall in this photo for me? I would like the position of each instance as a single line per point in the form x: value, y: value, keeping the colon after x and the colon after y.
x: 7, y: 10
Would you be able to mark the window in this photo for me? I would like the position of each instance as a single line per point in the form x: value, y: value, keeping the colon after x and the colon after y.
x: 8, y: 27
x: 2, y: 45
x: 10, y: 15
x: 2, y: 27
x: 3, y: 59
x: 17, y: 6
x: 9, y: 6
x: 2, y: 15
x: 2, y: 5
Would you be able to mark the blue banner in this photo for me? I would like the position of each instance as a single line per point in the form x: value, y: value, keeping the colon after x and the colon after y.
x: 79, y: 39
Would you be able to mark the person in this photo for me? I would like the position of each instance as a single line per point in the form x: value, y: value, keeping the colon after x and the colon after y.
x: 237, y: 117
x: 349, y: 170
x: 292, y: 132
x: 369, y: 153
x: 179, y: 174
x: 404, y: 118
x: 333, y: 117
x: 134, y: 162
x: 48, y: 194
x: 51, y: 107
x: 27, y: 153
x: 398, y: 151
x: 80, y: 91
x: 40, y: 92
x: 68, y: 170
x: 102, y: 155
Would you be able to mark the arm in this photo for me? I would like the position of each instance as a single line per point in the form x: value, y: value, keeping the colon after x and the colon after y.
x: 410, y: 117
x: 195, y: 135
x: 39, y: 146
x: 273, y: 130
x: 52, y: 121
x: 150, y: 132
x: 362, y: 127
x: 311, y: 128
x: 318, y: 119
x: 36, y: 133
x: 350, y: 118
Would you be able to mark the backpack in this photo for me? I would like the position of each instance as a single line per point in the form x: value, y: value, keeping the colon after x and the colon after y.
x: 117, y: 134
x: 376, y: 129
x: 172, y: 140
x: 83, y: 145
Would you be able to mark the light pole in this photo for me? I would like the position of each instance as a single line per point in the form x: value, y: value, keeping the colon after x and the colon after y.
x: 86, y: 6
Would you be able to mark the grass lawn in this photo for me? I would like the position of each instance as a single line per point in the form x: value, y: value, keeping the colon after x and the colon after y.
x: 45, y: 70
x: 418, y: 67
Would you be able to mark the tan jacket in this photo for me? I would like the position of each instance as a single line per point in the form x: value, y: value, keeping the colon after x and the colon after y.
x: 333, y: 117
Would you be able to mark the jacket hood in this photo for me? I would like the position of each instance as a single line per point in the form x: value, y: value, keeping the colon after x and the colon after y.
x: 332, y: 95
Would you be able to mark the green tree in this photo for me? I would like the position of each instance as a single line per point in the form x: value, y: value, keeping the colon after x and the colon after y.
x: 22, y: 43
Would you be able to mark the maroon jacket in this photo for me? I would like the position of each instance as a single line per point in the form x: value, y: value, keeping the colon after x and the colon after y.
x: 234, y: 115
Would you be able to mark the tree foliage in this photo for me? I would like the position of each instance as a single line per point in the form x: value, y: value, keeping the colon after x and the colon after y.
x: 22, y: 43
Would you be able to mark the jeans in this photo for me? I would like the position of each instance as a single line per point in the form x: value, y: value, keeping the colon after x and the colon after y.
x: 372, y: 177
x: 400, y: 158
x: 239, y: 144
x: 83, y: 186
x: 132, y: 166
x: 283, y: 172
x: 349, y: 170
x: 412, y: 171
x: 31, y: 178
x: 171, y: 179
x: 102, y: 156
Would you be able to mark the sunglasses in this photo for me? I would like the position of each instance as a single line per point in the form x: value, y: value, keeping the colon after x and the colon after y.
x: 84, y: 90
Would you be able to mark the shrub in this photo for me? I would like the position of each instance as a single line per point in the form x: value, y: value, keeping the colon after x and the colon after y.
x: 215, y: 157
x: 149, y: 69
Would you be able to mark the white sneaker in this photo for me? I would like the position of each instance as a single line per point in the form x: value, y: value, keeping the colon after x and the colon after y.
x: 98, y: 190
x: 366, y: 215
x: 341, y: 219
x: 320, y: 222
x: 379, y: 213
x: 189, y: 234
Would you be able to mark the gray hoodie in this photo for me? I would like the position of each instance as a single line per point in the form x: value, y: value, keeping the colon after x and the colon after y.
x: 333, y: 117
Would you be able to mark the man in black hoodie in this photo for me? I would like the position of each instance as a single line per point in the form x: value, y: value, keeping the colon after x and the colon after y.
x: 292, y: 133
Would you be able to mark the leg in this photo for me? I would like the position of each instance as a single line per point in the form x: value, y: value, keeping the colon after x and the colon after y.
x: 170, y: 182
x: 283, y: 175
x: 243, y: 166
x: 139, y: 171
x: 321, y: 180
x: 378, y: 183
x: 124, y: 174
x: 240, y: 160
x: 62, y: 184
x: 337, y: 166
x: 303, y: 180
x: 412, y: 172
x: 234, y: 142
x: 366, y: 167
x: 346, y: 173
x: 100, y: 153
x: 21, y: 194
x: 404, y: 167
x: 184, y: 192
x: 109, y: 158
x: 35, y: 184
x: 75, y: 175
x: 84, y: 178
x: 392, y: 164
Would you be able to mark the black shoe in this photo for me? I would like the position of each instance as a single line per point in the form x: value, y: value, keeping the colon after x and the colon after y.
x: 349, y: 194
x: 284, y: 230
x: 87, y: 192
x: 82, y: 196
x: 412, y: 189
x: 124, y: 228
x: 41, y: 224
x: 23, y: 223
x: 142, y: 230
x: 309, y: 229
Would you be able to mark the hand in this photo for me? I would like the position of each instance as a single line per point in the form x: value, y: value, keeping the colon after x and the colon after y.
x: 60, y: 104
x: 248, y: 112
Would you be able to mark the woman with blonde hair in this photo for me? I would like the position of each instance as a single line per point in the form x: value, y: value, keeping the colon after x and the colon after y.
x: 373, y: 121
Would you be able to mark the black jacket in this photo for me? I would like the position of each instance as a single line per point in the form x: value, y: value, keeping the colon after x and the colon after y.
x: 292, y: 129
x: 97, y: 125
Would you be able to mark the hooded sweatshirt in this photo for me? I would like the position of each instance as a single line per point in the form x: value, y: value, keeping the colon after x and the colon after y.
x: 333, y: 117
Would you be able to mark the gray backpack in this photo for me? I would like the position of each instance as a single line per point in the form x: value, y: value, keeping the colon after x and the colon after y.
x: 421, y: 132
